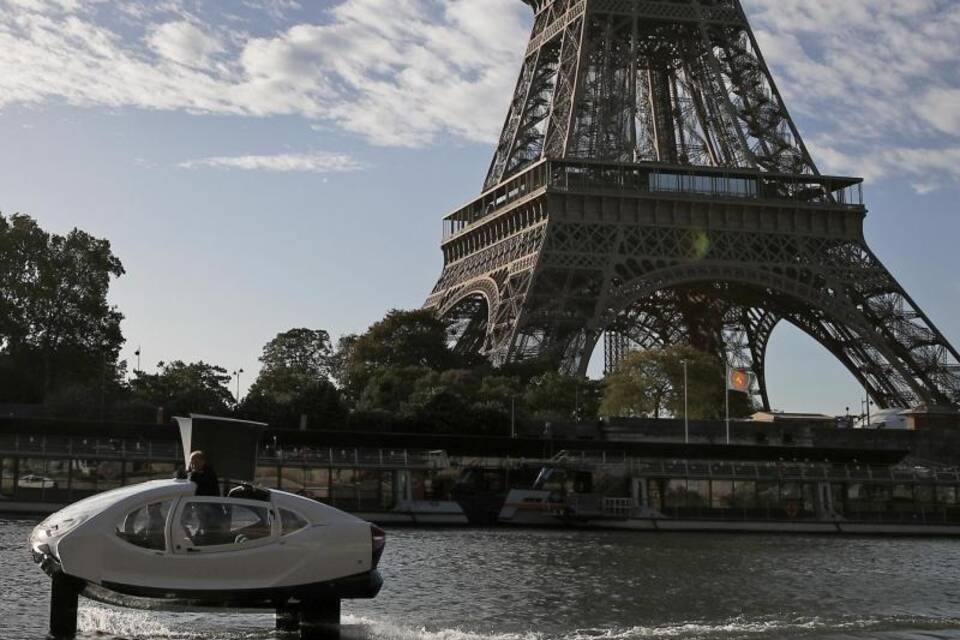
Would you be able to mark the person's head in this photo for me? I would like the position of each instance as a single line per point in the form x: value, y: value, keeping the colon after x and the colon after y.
x: 197, y: 461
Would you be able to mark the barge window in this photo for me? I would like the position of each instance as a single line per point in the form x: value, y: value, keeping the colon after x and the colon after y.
x: 317, y: 481
x: 838, y: 498
x: 721, y: 494
x: 698, y: 493
x: 903, y: 493
x: 292, y: 479
x: 768, y: 494
x: 924, y: 494
x: 8, y: 474
x: 655, y: 494
x: 142, y: 471
x: 109, y: 475
x: 946, y: 494
x: 268, y: 476
x: 675, y: 495
x: 146, y: 526
x: 745, y: 494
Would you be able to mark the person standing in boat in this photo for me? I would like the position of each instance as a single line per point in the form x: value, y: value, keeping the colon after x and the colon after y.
x: 203, y: 475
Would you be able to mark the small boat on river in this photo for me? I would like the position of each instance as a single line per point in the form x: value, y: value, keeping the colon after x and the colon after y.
x: 159, y: 545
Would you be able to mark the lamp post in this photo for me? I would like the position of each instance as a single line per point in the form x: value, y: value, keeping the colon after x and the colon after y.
x: 237, y: 375
x: 686, y: 412
x: 865, y: 405
x: 576, y: 402
x: 137, y: 353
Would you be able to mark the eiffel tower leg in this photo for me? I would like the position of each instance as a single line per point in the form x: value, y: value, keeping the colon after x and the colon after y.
x: 757, y: 326
x: 738, y: 335
x: 847, y: 301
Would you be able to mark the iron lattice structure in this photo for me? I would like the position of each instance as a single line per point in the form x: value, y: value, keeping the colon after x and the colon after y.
x: 649, y: 185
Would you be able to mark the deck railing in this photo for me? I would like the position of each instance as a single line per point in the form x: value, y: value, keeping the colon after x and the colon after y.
x: 627, y: 178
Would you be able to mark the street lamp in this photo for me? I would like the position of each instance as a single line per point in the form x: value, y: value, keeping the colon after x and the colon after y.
x: 865, y: 405
x: 686, y: 412
x: 237, y: 375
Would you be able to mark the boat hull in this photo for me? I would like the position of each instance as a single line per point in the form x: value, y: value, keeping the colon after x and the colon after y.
x: 356, y: 587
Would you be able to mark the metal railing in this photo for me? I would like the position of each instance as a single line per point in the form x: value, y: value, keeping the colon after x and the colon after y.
x: 94, y: 448
x: 138, y: 449
x: 356, y: 458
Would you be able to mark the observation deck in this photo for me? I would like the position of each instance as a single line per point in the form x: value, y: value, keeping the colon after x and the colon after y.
x: 654, y: 179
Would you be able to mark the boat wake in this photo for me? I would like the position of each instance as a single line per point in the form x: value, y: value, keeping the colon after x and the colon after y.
x: 891, y: 628
x: 103, y: 622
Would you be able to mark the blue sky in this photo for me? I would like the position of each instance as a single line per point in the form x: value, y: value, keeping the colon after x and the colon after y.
x: 265, y: 164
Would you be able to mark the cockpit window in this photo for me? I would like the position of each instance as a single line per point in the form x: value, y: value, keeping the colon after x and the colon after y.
x: 208, y: 524
x: 146, y: 526
x: 291, y: 522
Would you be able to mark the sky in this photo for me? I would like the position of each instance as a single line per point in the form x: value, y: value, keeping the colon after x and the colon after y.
x: 260, y: 165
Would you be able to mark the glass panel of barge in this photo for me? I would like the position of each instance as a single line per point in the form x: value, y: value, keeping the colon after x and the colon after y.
x: 292, y: 478
x: 58, y: 485
x: 8, y: 476
x: 137, y: 471
x: 109, y: 475
x: 317, y: 482
x: 368, y: 489
x: 745, y: 494
x: 721, y: 494
x: 267, y: 475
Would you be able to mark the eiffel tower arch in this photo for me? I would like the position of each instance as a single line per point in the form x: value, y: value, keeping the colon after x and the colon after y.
x: 650, y: 188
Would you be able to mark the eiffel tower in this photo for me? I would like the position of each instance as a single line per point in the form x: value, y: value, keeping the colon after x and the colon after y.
x: 650, y: 187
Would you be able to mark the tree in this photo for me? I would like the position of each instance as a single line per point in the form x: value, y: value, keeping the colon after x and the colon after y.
x: 338, y: 361
x: 401, y: 340
x: 182, y: 388
x: 281, y: 401
x: 294, y: 382
x: 56, y: 326
x: 557, y: 397
x: 388, y: 389
x: 302, y: 352
x: 651, y: 383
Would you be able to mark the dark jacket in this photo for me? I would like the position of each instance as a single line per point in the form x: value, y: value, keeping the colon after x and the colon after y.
x: 206, y: 481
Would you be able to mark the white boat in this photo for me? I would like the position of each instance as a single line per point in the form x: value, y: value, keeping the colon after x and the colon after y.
x: 156, y: 545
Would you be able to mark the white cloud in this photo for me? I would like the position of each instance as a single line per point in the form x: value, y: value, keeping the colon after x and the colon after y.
x: 873, y: 82
x: 396, y: 72
x: 284, y: 163
x: 876, y: 79
x: 941, y: 108
x: 185, y: 43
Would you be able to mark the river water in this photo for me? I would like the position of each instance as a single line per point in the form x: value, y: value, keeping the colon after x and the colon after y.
x: 497, y: 584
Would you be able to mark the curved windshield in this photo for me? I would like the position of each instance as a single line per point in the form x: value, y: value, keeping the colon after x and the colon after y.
x: 291, y: 522
x: 218, y: 523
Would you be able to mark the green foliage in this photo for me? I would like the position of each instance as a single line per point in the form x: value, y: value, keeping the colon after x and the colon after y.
x: 56, y: 326
x: 299, y: 352
x: 389, y: 388
x: 650, y: 383
x: 281, y: 402
x: 403, y: 339
x: 293, y: 382
x: 338, y: 361
x: 182, y: 388
x: 555, y: 397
